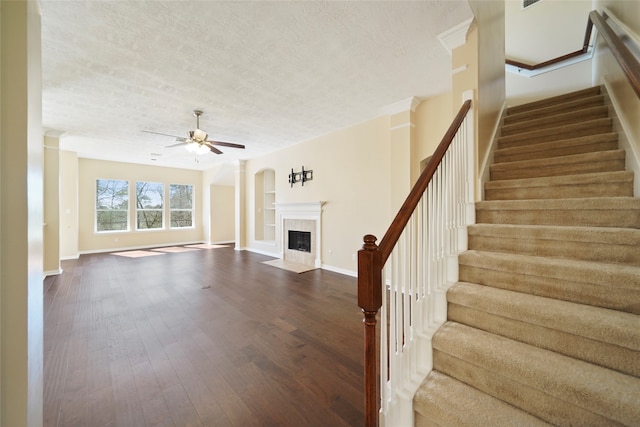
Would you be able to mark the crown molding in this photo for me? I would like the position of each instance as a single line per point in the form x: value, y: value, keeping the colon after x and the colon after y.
x: 455, y: 36
x: 404, y: 105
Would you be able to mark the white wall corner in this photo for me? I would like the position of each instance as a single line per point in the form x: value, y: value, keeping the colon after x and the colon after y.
x: 404, y: 105
x: 483, y: 172
x: 53, y: 133
x: 455, y: 36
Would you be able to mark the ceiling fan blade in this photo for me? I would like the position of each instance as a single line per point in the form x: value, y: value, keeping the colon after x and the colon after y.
x: 175, y: 145
x: 212, y: 148
x: 225, y: 144
x: 164, y: 134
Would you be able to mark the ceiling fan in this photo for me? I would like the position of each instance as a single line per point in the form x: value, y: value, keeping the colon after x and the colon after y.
x: 197, y: 141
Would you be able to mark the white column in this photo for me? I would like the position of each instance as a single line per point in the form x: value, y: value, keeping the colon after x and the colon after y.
x: 21, y: 206
x: 240, y: 202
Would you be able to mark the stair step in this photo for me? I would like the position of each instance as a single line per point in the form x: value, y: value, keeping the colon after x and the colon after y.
x: 444, y: 401
x: 597, y: 335
x: 560, y: 99
x: 556, y: 388
x: 589, y: 127
x: 561, y: 119
x: 529, y: 114
x: 620, y: 212
x: 614, y: 184
x: 601, y: 161
x: 599, y: 284
x: 584, y: 144
x: 598, y: 244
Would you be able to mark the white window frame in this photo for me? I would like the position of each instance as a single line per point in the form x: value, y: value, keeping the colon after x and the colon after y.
x: 192, y: 209
x: 97, y: 210
x: 142, y: 209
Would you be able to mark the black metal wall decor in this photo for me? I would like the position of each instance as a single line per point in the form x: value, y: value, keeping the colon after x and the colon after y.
x: 303, y: 176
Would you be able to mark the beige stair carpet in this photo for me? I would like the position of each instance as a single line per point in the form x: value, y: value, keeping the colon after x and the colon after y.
x: 544, y: 326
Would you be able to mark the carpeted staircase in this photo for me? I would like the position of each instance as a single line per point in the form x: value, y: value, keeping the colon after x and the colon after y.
x: 544, y: 325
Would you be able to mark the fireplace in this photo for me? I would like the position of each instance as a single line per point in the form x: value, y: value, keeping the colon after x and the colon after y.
x: 300, y: 240
x: 299, y: 232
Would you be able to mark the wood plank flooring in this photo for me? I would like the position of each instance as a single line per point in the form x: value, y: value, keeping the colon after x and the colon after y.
x: 210, y: 337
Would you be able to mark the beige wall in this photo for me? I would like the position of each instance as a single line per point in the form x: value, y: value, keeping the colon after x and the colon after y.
x: 222, y: 213
x: 51, y: 225
x: 21, y: 216
x: 481, y: 64
x: 546, y: 30
x: 351, y: 173
x: 432, y: 119
x: 564, y: 27
x: 608, y: 72
x: 89, y: 170
x: 491, y: 80
x: 68, y: 204
x: 400, y: 133
x: 220, y: 228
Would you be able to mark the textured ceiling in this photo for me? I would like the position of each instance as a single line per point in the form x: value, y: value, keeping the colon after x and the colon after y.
x: 267, y: 74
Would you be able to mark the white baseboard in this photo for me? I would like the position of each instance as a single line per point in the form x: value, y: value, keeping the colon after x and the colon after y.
x: 52, y: 272
x: 65, y: 258
x: 261, y: 252
x: 340, y: 270
x: 133, y: 248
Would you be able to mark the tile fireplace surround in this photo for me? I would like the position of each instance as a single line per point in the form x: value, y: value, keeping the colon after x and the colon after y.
x: 300, y: 216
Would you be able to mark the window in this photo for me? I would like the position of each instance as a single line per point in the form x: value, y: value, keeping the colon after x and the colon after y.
x: 112, y: 205
x: 181, y: 205
x: 149, y: 205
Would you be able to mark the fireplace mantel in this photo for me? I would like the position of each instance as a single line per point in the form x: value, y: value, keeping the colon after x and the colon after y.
x: 311, y: 211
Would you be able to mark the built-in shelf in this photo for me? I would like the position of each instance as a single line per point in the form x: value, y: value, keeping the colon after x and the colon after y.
x: 265, y: 201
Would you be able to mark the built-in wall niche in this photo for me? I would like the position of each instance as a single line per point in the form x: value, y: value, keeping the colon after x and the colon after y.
x: 265, y: 205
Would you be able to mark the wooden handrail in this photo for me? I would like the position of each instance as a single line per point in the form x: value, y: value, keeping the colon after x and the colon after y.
x: 371, y: 260
x: 629, y: 64
x: 585, y: 48
x: 402, y: 218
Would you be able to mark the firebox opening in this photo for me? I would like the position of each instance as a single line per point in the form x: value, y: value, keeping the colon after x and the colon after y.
x: 300, y: 240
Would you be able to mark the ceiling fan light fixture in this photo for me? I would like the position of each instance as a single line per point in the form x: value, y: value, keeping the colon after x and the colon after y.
x: 191, y: 146
x: 199, y: 135
x: 202, y: 149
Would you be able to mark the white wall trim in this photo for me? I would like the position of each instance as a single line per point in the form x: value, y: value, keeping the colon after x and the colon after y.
x: 261, y: 252
x: 52, y: 272
x: 632, y: 35
x: 625, y: 137
x: 226, y: 242
x: 455, y: 36
x: 405, y: 125
x: 340, y: 270
x: 400, y: 106
x: 483, y: 171
x: 134, y: 248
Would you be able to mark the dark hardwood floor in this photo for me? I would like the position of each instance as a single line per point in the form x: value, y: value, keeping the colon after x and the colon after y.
x: 204, y: 338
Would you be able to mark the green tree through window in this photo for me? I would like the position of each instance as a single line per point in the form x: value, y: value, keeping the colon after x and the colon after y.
x: 112, y: 205
x: 181, y: 205
x: 149, y: 205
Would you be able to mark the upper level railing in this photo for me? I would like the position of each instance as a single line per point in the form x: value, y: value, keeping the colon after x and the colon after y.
x: 629, y: 63
x: 423, y: 234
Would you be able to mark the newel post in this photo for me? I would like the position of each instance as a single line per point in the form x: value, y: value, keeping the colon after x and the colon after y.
x: 370, y: 301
